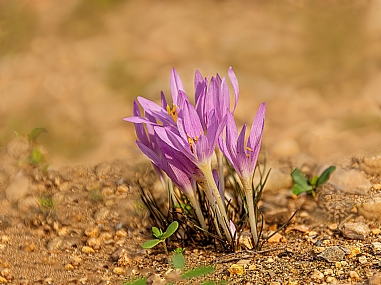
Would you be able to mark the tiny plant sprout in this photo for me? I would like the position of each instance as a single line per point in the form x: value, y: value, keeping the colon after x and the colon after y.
x: 178, y: 259
x: 161, y: 237
x: 303, y: 184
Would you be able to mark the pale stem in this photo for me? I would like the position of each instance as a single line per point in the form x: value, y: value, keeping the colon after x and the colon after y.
x: 171, y: 192
x: 207, y: 171
x: 250, y: 205
x: 205, y: 187
x: 220, y: 163
x: 197, y: 209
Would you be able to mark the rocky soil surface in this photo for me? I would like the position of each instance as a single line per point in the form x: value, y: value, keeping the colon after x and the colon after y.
x: 86, y: 224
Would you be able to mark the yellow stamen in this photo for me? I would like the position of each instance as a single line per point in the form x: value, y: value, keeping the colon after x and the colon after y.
x: 172, y: 111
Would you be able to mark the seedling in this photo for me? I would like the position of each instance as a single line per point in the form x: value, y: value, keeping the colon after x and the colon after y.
x: 161, y: 237
x: 46, y: 203
x: 178, y: 262
x: 303, y: 184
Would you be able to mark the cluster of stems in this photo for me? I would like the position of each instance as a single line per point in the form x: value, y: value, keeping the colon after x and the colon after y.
x: 188, y: 144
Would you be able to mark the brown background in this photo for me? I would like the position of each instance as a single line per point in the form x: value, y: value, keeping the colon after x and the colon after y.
x: 75, y: 67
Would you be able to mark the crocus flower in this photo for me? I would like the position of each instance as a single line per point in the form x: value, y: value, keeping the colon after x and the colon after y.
x: 178, y: 170
x: 214, y: 96
x: 243, y: 157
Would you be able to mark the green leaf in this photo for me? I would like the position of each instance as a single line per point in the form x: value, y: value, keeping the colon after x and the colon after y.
x: 200, y: 271
x: 300, y: 182
x: 178, y: 260
x: 297, y: 189
x: 299, y: 178
x: 151, y: 243
x: 157, y: 232
x: 324, y: 177
x: 314, y: 180
x: 36, y: 157
x: 140, y: 281
x: 33, y: 135
x: 172, y: 228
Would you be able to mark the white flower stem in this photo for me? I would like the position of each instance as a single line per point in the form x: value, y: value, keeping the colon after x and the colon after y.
x: 171, y: 192
x: 205, y: 187
x: 250, y: 205
x: 220, y: 163
x: 223, y: 218
x: 197, y: 209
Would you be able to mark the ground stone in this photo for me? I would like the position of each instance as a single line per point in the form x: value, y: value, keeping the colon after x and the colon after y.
x: 18, y: 188
x: 357, y: 230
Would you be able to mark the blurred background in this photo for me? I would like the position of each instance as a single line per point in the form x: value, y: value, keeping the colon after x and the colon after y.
x: 75, y: 68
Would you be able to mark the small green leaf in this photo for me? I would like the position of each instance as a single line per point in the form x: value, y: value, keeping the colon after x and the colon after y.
x: 157, y: 232
x: 179, y: 250
x: 33, y: 135
x: 300, y: 182
x: 324, y: 177
x: 36, y: 157
x: 172, y: 228
x: 200, y: 271
x: 151, y: 243
x: 314, y: 180
x: 297, y: 189
x: 140, y: 281
x: 178, y: 260
x: 299, y: 178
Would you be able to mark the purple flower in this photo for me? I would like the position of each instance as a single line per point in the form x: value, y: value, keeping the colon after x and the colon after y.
x: 243, y: 157
x: 190, y: 138
x: 214, y: 96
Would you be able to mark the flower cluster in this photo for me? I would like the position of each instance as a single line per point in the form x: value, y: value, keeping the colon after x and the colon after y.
x: 182, y: 141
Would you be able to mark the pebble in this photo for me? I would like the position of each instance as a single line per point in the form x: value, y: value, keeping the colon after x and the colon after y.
x: 354, y: 275
x: 18, y: 148
x: 317, y: 275
x: 101, y: 214
x: 350, y: 181
x: 334, y: 253
x: 236, y: 269
x: 371, y: 209
x: 363, y: 259
x: 245, y: 240
x: 354, y: 252
x: 277, y: 238
x: 358, y: 230
x: 95, y: 243
x: 371, y: 165
x: 92, y: 231
x: 87, y: 249
x: 118, y: 270
x: 18, y: 188
x: 121, y: 233
x: 377, y: 246
x: 69, y: 266
x: 55, y: 243
x: 375, y: 231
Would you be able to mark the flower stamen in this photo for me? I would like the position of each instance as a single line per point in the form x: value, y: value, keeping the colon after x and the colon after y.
x: 172, y: 112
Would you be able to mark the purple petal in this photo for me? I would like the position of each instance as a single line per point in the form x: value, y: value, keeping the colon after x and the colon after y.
x: 155, y: 110
x: 189, y: 120
x: 234, y: 81
x: 164, y: 103
x: 255, y: 137
x: 176, y: 86
x: 139, y: 128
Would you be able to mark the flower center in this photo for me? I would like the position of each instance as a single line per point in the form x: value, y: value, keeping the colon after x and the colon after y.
x: 172, y: 111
